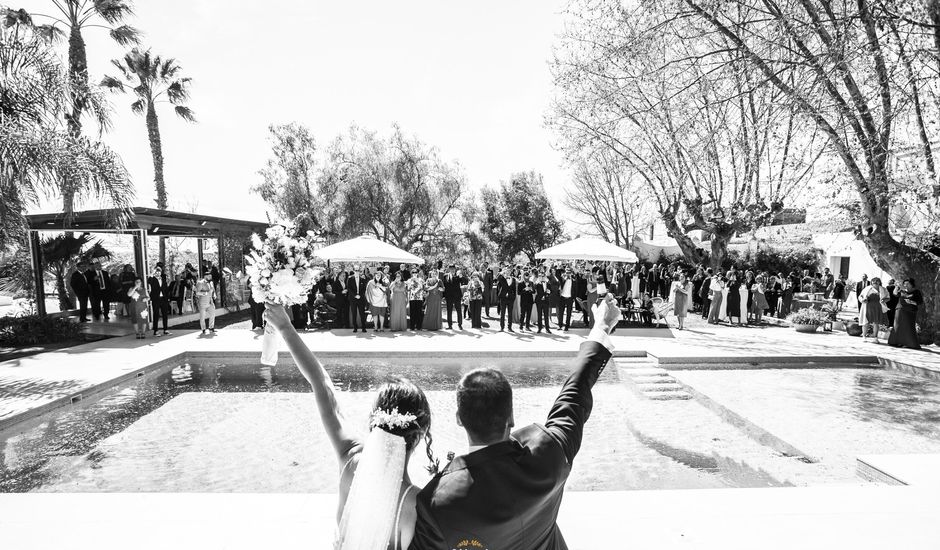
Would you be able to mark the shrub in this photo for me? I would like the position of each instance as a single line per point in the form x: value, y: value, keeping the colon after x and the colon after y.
x: 28, y: 330
x: 809, y: 316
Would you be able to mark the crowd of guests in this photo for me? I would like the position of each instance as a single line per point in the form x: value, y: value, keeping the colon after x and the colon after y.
x: 148, y: 299
x: 531, y: 298
x: 540, y: 298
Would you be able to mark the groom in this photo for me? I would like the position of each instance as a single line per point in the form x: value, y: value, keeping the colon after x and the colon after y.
x: 505, y: 493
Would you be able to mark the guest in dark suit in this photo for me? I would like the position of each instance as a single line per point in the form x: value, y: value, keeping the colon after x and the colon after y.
x: 159, y: 289
x: 506, y: 491
x: 487, y: 287
x: 79, y: 283
x: 506, y: 294
x: 652, y: 280
x: 526, y: 302
x: 99, y: 282
x: 566, y: 293
x: 705, y: 293
x: 356, y: 294
x: 543, y: 292
x: 452, y: 296
x: 581, y: 293
x: 859, y: 286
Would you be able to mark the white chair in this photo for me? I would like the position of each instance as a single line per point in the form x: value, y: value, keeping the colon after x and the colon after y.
x: 660, y: 309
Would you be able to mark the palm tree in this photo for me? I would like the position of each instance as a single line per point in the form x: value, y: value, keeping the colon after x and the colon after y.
x: 75, y: 16
x: 153, y: 80
x: 38, y: 158
x: 60, y: 255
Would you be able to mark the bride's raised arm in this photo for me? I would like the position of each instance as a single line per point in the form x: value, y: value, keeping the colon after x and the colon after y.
x: 319, y: 379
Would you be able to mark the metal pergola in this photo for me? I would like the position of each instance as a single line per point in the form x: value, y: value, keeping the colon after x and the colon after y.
x: 143, y: 223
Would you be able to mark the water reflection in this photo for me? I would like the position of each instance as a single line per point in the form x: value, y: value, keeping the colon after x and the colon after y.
x: 76, y: 430
x: 898, y: 399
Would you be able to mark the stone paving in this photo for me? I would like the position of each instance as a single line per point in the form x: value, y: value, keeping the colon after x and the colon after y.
x: 807, y: 518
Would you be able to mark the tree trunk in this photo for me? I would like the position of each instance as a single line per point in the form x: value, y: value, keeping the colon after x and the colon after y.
x: 156, y: 149
x: 719, y: 249
x: 78, y: 86
x: 686, y: 245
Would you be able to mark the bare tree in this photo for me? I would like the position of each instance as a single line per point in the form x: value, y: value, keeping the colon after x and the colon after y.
x: 717, y: 149
x: 607, y: 194
x: 856, y: 71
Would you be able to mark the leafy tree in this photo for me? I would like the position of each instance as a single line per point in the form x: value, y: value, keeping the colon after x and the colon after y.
x: 289, y: 179
x: 62, y: 253
x: 519, y: 218
x: 73, y: 17
x: 396, y: 188
x: 37, y: 157
x: 153, y: 80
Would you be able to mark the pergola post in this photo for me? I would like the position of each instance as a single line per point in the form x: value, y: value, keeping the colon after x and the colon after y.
x: 140, y: 252
x: 199, y: 259
x: 221, y: 282
x: 35, y: 259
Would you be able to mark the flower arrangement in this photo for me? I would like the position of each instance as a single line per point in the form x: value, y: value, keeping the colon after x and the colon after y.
x: 392, y: 420
x: 280, y: 271
x: 809, y: 316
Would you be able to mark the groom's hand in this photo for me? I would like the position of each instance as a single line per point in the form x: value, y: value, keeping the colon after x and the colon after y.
x: 606, y: 314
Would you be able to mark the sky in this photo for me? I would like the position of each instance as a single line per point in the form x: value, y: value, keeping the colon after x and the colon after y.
x: 471, y: 78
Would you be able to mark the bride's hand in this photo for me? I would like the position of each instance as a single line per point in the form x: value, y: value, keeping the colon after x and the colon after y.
x: 277, y: 316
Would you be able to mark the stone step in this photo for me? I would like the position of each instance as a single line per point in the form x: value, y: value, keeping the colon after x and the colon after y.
x: 668, y: 395
x: 633, y: 360
x: 661, y: 387
x: 652, y: 379
x: 649, y: 371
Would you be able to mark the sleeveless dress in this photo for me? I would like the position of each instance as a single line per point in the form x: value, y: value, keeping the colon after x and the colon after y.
x: 874, y: 315
x: 432, y: 313
x: 395, y: 543
x: 397, y: 317
x: 680, y: 299
x: 760, y: 301
x: 734, y: 299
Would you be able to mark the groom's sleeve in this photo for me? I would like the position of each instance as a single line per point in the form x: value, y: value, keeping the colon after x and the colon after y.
x: 573, y: 406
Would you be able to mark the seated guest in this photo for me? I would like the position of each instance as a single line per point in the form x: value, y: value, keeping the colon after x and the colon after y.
x: 646, y: 309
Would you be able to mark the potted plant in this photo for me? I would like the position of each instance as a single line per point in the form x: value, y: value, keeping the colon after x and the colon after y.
x: 884, y: 332
x: 808, y: 319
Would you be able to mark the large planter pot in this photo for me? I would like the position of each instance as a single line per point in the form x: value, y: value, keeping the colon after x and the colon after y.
x: 884, y: 334
x: 806, y: 328
x: 838, y: 325
x: 853, y: 329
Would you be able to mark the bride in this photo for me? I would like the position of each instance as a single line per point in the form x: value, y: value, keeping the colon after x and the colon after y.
x: 376, y: 496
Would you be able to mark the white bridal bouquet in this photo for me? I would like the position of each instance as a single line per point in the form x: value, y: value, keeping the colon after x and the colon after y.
x: 280, y: 271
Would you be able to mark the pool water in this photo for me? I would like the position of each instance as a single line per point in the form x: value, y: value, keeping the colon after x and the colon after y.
x: 832, y: 414
x: 244, y: 428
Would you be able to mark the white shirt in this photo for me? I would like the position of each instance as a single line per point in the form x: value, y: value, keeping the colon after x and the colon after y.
x: 566, y: 289
x: 596, y: 335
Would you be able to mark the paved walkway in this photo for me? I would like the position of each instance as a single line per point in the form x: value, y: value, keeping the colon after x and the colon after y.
x: 807, y: 518
x: 35, y: 384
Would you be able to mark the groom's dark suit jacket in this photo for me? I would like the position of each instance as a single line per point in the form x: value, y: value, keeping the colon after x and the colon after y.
x: 506, y: 496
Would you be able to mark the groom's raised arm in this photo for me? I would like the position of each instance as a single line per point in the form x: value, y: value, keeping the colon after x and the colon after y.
x: 573, y: 406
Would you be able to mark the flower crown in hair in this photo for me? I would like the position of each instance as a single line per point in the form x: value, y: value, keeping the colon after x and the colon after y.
x: 391, y: 420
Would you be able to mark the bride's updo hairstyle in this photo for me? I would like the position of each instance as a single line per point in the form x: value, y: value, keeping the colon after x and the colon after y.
x: 402, y: 395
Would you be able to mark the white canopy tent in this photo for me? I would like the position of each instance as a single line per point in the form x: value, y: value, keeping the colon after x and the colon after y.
x: 366, y: 249
x: 590, y: 249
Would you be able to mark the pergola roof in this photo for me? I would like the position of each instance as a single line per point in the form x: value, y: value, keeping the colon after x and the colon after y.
x: 154, y: 221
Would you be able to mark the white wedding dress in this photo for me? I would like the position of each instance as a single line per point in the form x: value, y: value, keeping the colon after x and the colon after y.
x: 373, y: 508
